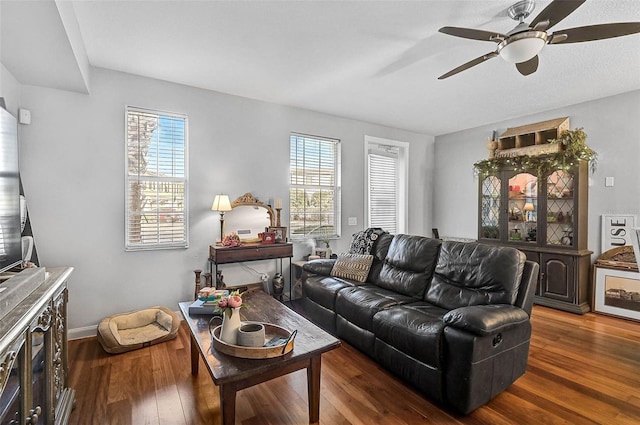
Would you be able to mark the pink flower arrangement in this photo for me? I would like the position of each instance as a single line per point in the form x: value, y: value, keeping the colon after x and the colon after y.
x: 232, y: 239
x: 229, y: 303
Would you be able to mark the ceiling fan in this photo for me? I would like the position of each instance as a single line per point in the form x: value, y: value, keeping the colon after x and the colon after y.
x: 522, y: 44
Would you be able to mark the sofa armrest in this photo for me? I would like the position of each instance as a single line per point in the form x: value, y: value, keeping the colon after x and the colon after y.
x: 485, y: 319
x: 322, y: 267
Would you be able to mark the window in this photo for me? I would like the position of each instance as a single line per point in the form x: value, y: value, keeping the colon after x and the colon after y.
x: 314, y: 193
x: 156, y: 179
x: 386, y: 184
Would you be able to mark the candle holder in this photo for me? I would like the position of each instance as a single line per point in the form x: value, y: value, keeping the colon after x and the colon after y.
x: 197, y: 287
x: 207, y: 280
x: 278, y: 217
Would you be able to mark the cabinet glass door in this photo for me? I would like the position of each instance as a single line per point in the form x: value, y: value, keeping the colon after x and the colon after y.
x: 522, y: 209
x: 39, y: 365
x: 11, y: 393
x: 560, y: 213
x: 490, y: 208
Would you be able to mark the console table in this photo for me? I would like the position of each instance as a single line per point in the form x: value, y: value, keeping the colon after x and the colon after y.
x: 249, y: 252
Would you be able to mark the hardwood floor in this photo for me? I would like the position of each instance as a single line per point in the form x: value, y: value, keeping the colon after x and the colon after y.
x: 582, y: 370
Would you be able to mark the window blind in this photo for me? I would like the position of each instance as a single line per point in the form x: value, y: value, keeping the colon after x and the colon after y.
x: 314, y: 195
x: 156, y: 175
x: 383, y: 189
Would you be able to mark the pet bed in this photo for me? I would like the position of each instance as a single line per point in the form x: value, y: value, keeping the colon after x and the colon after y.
x: 130, y: 331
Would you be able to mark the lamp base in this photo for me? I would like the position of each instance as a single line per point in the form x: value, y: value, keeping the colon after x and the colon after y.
x: 221, y: 226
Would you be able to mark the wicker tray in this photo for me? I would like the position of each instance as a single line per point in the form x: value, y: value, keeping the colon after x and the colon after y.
x: 271, y: 331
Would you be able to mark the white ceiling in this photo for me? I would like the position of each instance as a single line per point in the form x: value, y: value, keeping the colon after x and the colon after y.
x: 375, y: 61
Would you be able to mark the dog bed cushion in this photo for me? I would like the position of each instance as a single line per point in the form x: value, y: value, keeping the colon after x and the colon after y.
x: 137, y: 329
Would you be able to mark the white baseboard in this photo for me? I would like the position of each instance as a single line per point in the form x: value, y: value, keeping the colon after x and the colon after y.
x: 84, y: 332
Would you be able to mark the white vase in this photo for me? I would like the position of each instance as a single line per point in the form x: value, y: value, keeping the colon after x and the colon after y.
x: 230, y: 326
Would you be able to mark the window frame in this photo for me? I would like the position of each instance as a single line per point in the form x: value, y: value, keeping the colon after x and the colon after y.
x: 378, y: 143
x: 336, y: 187
x: 184, y: 180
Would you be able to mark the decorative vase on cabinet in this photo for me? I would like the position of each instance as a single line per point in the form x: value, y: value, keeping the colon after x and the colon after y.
x: 546, y: 218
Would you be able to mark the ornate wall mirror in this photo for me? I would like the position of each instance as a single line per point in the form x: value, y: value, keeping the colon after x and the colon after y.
x: 248, y: 217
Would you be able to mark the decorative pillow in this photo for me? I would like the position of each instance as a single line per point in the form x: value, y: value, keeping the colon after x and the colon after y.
x: 352, y: 266
x: 364, y: 240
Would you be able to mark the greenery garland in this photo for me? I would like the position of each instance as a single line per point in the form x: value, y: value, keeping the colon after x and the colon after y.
x: 574, y: 150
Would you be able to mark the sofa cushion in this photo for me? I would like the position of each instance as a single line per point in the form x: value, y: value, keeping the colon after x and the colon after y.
x: 475, y: 274
x: 409, y: 265
x: 358, y: 304
x: 352, y: 266
x: 416, y: 329
x: 322, y: 290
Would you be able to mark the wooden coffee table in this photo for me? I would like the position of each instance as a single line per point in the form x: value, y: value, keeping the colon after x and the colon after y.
x: 232, y: 374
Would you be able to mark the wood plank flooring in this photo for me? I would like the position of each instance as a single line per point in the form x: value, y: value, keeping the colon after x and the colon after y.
x: 582, y: 370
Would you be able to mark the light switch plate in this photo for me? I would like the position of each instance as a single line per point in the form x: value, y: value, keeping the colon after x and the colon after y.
x: 24, y: 116
x: 609, y: 181
x: 353, y: 221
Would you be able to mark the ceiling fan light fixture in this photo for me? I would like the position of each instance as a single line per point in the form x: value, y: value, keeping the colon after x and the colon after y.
x: 523, y: 46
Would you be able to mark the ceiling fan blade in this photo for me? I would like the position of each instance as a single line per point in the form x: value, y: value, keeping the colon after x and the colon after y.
x: 528, y: 67
x: 468, y: 65
x: 594, y: 32
x: 473, y: 34
x: 554, y: 13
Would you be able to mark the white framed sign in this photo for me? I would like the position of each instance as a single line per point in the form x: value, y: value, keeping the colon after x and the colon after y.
x: 616, y: 230
x: 635, y: 241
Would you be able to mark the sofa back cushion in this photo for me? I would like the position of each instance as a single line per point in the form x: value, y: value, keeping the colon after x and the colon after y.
x: 379, y: 252
x: 409, y: 265
x: 475, y: 274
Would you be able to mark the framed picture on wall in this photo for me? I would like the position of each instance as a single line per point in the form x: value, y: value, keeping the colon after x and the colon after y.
x: 322, y: 252
x: 617, y: 292
x: 616, y: 230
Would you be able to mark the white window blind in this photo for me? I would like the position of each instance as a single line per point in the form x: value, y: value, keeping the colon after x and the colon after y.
x: 314, y: 187
x: 383, y: 189
x: 386, y: 188
x: 156, y: 180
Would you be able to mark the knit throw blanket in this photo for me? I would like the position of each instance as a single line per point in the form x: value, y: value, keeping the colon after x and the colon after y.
x: 364, y: 240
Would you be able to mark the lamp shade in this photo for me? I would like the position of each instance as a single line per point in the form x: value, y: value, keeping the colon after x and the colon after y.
x: 221, y: 203
x: 528, y: 207
x: 521, y: 47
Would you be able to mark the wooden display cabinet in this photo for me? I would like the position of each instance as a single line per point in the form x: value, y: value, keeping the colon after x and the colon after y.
x: 543, y: 216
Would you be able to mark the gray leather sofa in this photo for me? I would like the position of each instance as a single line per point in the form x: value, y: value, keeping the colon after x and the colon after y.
x: 450, y: 318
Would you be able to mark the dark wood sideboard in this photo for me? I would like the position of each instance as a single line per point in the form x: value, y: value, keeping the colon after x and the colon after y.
x: 249, y: 252
x: 34, y: 367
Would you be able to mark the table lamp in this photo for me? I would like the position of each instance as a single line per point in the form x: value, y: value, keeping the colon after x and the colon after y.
x: 221, y: 203
x: 527, y: 207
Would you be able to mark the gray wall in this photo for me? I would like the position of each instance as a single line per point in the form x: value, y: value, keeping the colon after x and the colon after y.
x: 72, y: 165
x: 613, y: 132
x: 10, y: 90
